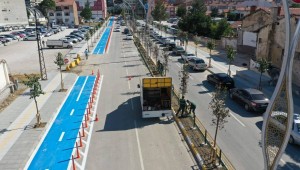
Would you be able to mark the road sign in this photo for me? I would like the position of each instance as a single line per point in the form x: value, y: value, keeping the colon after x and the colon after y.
x: 66, y: 61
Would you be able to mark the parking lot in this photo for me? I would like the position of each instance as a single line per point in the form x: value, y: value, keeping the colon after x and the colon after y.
x: 22, y: 56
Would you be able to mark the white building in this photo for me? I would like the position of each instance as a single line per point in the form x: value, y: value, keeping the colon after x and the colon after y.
x: 99, y: 7
x: 13, y: 12
x: 65, y: 13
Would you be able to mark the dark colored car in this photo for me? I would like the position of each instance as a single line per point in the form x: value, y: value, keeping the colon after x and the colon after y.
x: 221, y: 79
x: 171, y: 46
x: 126, y: 31
x: 251, y: 99
x: 178, y: 50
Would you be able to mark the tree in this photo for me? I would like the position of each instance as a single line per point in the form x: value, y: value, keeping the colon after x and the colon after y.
x: 210, y: 45
x: 35, y: 91
x: 159, y: 11
x: 217, y: 29
x: 230, y: 54
x: 263, y: 66
x: 166, y: 62
x: 86, y: 13
x: 219, y: 110
x: 59, y: 61
x: 181, y: 11
x: 45, y: 6
x: 214, y: 12
x: 87, y: 38
x: 196, y: 41
x: 91, y: 31
x: 183, y: 77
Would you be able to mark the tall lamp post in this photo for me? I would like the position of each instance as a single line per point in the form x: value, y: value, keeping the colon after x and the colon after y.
x: 279, y: 114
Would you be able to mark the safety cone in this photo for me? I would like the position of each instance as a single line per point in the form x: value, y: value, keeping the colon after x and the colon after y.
x: 96, y: 119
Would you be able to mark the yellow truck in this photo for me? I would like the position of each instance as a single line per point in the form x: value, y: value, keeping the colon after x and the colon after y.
x: 156, y: 96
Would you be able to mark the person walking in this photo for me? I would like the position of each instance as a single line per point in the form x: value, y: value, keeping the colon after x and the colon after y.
x: 182, y: 105
x: 86, y: 54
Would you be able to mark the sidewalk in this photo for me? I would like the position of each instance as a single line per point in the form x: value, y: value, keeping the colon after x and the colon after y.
x: 18, y: 138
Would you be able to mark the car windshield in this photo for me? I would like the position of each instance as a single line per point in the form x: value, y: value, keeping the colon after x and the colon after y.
x: 190, y: 54
x: 258, y: 97
x: 199, y: 61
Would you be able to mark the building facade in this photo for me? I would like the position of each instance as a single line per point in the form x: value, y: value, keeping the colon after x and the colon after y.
x: 13, y: 12
x: 64, y: 14
x: 99, y: 7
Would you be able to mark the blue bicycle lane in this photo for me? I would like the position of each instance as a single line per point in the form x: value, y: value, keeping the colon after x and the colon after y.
x: 57, y: 147
x: 100, y: 47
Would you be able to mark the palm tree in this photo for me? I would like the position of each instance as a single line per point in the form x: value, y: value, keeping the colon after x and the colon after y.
x: 210, y: 45
x: 263, y: 66
x: 230, y: 56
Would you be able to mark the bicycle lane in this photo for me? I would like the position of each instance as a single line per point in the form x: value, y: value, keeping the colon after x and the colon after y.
x: 55, y: 150
x: 104, y: 40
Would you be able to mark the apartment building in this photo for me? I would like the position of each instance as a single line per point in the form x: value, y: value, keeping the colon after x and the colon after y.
x: 64, y: 14
x: 99, y: 7
x: 13, y: 12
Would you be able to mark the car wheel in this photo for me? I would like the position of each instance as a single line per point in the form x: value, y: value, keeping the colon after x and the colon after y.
x: 291, y: 140
x: 247, y: 108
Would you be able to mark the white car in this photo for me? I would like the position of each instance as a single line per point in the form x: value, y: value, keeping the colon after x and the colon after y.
x: 129, y: 37
x: 197, y: 64
x: 295, y: 134
x: 31, y: 37
x: 70, y: 39
x: 187, y: 56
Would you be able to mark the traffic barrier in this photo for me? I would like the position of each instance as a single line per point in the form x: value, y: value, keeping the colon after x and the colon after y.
x: 80, y: 141
x: 83, y: 133
x: 72, y: 64
x: 91, y: 99
x: 77, y: 151
x: 78, y: 56
x: 85, y: 121
x: 98, y: 74
x: 92, y: 72
x: 68, y: 68
x: 77, y: 61
x: 87, y: 117
x: 73, y: 163
x: 96, y: 119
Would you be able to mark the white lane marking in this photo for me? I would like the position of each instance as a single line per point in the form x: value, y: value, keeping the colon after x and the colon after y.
x: 72, y: 112
x: 139, y: 146
x: 128, y: 84
x: 132, y: 107
x: 191, y: 77
x: 61, y: 136
x: 240, y: 122
x: 178, y: 65
x: 82, y: 88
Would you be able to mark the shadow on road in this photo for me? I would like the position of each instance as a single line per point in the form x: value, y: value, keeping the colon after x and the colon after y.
x: 129, y: 116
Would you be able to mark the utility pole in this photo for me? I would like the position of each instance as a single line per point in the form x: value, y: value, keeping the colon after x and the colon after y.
x: 43, y: 71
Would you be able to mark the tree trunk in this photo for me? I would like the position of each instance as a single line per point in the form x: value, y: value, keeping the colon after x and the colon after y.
x: 259, y: 85
x: 38, y: 116
x: 209, y: 63
x: 61, y: 79
x: 217, y: 126
x: 229, y: 72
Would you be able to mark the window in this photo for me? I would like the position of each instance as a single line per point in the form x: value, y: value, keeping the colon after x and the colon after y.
x: 66, y: 20
x: 51, y: 14
x: 5, y: 19
x: 58, y: 14
x: 58, y: 8
x: 67, y: 14
x: 66, y: 7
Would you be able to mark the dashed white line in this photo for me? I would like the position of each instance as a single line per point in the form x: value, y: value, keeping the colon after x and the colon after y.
x: 61, y: 136
x: 128, y: 84
x: 72, y: 112
x: 178, y: 65
x: 82, y: 88
x: 191, y: 77
x: 139, y: 146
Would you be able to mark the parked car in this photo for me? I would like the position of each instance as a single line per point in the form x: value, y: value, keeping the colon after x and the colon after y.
x: 75, y: 37
x: 178, y: 50
x: 129, y: 37
x: 18, y: 34
x: 221, y: 79
x: 49, y: 33
x: 295, y: 134
x: 187, y: 56
x: 4, y: 40
x: 251, y: 99
x: 197, y: 64
x: 31, y: 37
x: 7, y: 39
x: 55, y: 30
x: 117, y: 30
x: 126, y: 31
x: 14, y: 37
x: 78, y: 35
x: 171, y: 46
x: 73, y: 40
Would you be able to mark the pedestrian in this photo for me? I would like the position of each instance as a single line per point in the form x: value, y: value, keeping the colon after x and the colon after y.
x: 86, y: 54
x: 192, y: 107
x: 43, y: 42
x: 182, y: 105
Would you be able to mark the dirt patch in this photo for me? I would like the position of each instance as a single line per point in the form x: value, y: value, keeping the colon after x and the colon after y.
x: 12, y: 97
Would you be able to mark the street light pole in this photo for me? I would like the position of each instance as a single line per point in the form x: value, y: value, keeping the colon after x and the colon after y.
x: 43, y: 70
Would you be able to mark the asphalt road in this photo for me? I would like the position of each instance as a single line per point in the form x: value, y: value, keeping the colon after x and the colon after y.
x: 22, y: 57
x: 122, y: 139
x: 241, y: 137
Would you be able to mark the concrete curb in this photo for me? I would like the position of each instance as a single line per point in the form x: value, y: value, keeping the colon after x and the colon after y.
x: 191, y: 145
